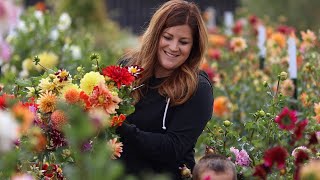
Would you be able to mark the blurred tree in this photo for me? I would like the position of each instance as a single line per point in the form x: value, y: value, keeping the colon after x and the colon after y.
x: 297, y: 13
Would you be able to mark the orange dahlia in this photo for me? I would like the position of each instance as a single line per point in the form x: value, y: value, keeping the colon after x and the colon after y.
x: 47, y: 102
x: 58, y: 119
x: 72, y: 95
x: 24, y: 116
x: 118, y: 120
x: 221, y: 106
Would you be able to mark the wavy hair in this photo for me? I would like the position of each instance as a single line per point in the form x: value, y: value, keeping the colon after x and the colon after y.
x: 182, y: 83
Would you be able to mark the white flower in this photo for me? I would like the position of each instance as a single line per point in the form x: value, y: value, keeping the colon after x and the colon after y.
x: 22, y: 26
x: 54, y: 34
x: 75, y: 51
x: 39, y: 16
x: 24, y: 73
x: 31, y: 91
x: 64, y: 22
x: 8, y: 131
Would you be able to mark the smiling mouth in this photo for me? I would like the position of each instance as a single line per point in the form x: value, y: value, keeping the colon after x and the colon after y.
x: 170, y: 55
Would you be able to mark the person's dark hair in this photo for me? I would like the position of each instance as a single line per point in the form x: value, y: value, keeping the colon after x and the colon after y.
x: 216, y: 163
x: 182, y: 83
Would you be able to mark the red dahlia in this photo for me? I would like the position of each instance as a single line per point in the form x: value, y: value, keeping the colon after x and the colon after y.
x: 120, y: 75
x: 276, y: 155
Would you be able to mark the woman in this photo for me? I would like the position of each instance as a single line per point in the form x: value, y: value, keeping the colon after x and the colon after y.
x: 174, y: 101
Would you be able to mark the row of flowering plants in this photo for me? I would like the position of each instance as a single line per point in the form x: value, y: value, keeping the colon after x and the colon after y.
x: 57, y: 125
x: 42, y: 32
x: 263, y: 121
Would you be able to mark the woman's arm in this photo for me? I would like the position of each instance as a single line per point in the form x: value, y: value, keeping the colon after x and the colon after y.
x: 182, y: 132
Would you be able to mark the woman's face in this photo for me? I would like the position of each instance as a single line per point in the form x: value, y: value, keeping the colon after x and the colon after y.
x: 173, y: 50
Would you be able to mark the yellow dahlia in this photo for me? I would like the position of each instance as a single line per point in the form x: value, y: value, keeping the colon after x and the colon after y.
x: 48, y: 60
x: 46, y: 85
x: 90, y: 80
x: 27, y: 64
x: 47, y: 102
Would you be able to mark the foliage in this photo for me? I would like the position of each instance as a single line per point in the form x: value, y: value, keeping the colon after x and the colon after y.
x: 286, y: 11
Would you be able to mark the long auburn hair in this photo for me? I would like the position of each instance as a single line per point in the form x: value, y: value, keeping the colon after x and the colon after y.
x: 182, y: 83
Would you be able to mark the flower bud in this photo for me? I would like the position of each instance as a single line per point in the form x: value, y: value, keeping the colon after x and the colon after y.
x: 185, y: 172
x: 209, y: 150
x: 79, y: 68
x: 261, y: 113
x: 283, y: 76
x: 226, y: 123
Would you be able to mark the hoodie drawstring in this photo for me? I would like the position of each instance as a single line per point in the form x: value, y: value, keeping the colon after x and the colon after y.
x: 165, y: 114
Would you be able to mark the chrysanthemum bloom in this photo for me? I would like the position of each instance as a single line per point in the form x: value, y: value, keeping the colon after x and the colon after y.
x: 276, y: 155
x: 90, y: 80
x: 309, y: 38
x: 116, y: 148
x: 221, y: 106
x: 58, y: 119
x: 47, y: 60
x: 238, y: 44
x: 310, y: 170
x: 287, y: 87
x: 286, y: 119
x: 9, y: 131
x: 24, y: 116
x: 118, y: 74
x: 117, y: 120
x: 72, y: 95
x: 47, y: 102
x: 242, y: 157
x: 102, y: 97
